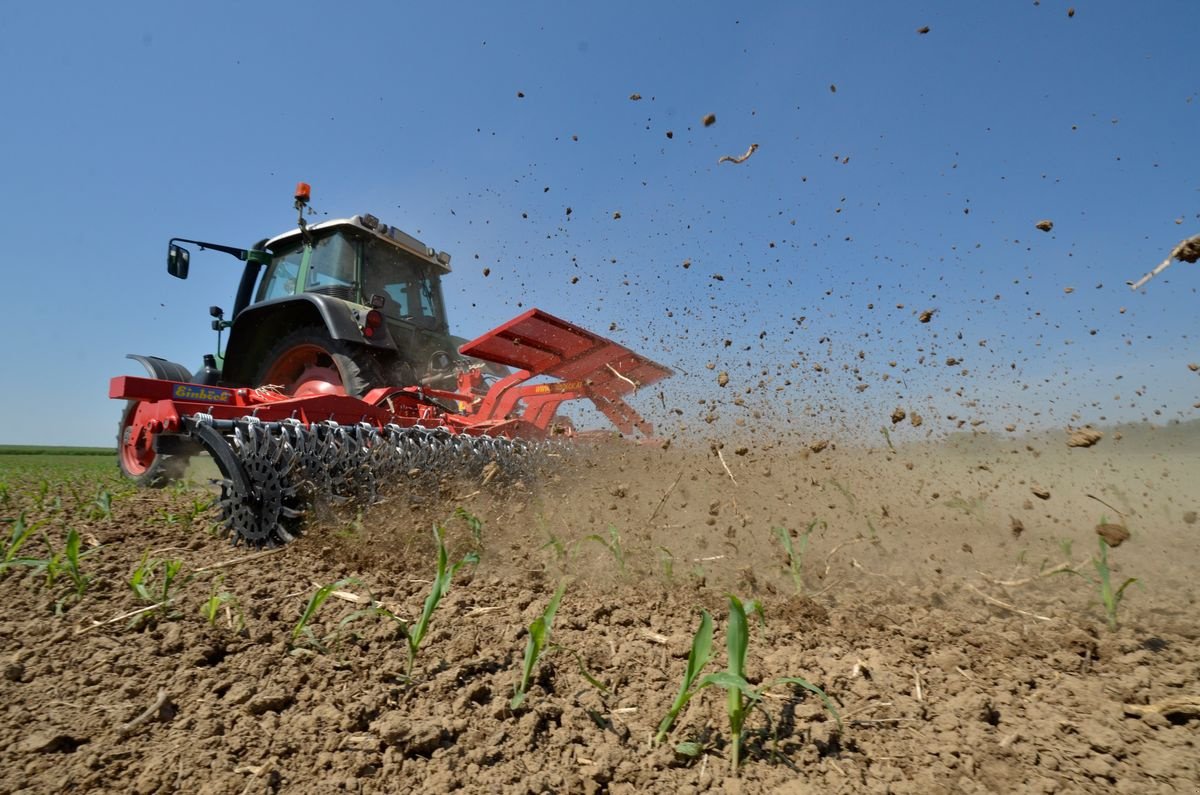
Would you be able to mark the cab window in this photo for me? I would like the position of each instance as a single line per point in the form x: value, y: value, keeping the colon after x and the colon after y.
x: 281, y: 276
x: 332, y: 264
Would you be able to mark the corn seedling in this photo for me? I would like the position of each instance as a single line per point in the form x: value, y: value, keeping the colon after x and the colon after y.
x: 413, y: 633
x: 102, y: 505
x: 43, y: 491
x: 612, y: 544
x: 538, y: 643
x: 21, y: 531
x: 698, y: 658
x: 474, y: 525
x: 666, y: 559
x: 151, y: 589
x: 218, y: 599
x: 555, y: 543
x: 795, y: 552
x: 310, y: 611
x: 70, y: 563
x: 741, y: 696
x: 539, y: 638
x: 851, y: 500
x: 1110, y: 597
x: 441, y: 586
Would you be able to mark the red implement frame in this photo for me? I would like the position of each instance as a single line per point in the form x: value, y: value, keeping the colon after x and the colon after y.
x: 537, y: 343
x: 588, y: 366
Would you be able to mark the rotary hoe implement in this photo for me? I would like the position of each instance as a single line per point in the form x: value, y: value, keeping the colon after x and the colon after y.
x: 340, y: 382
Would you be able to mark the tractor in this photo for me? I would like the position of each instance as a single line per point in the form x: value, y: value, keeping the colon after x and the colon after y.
x: 340, y: 371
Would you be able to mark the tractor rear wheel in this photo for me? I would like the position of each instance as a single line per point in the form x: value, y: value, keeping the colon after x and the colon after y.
x: 308, y: 362
x: 136, y: 456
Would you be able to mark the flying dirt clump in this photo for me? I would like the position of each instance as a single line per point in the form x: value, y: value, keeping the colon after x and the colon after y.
x: 926, y: 316
x: 722, y: 378
x: 1045, y: 224
x: 1113, y: 534
x: 1041, y: 492
x: 819, y: 445
x: 710, y: 120
x: 1084, y: 437
x: 898, y: 415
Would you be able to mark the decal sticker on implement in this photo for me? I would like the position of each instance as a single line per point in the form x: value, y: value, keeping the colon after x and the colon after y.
x: 202, y: 394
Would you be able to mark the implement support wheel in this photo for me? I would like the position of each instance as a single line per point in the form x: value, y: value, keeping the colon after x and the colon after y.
x: 136, y: 456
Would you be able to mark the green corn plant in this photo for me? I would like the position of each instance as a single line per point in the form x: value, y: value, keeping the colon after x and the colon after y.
x: 474, y: 525
x: 151, y: 589
x: 21, y: 531
x: 795, y: 553
x: 70, y: 566
x: 698, y: 658
x: 102, y: 505
x: 1110, y: 597
x: 42, y: 492
x: 538, y: 644
x: 666, y: 559
x: 851, y: 500
x: 198, y: 506
x: 741, y: 696
x: 310, y: 611
x: 539, y: 639
x: 555, y: 543
x: 612, y: 544
x: 217, y: 599
x: 440, y: 587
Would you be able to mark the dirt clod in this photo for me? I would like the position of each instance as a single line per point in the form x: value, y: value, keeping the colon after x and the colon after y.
x: 1045, y: 224
x: 709, y: 120
x: 1113, y: 534
x: 1040, y: 492
x: 1084, y: 437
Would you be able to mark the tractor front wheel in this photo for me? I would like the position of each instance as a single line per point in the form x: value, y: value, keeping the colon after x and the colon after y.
x: 307, y: 362
x: 136, y: 456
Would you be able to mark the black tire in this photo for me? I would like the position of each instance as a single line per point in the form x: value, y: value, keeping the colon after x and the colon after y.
x: 154, y: 472
x: 357, y: 366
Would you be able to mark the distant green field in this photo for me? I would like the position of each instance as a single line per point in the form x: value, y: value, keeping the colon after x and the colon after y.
x: 36, y: 449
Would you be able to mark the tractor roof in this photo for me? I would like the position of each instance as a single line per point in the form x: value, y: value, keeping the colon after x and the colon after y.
x: 368, y: 225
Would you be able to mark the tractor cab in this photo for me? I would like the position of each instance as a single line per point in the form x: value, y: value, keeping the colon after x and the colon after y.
x: 361, y: 261
x: 340, y: 306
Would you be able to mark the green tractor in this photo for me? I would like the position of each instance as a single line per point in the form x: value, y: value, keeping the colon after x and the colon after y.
x: 338, y: 307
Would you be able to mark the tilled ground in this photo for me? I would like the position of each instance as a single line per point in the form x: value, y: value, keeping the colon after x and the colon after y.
x: 954, y: 664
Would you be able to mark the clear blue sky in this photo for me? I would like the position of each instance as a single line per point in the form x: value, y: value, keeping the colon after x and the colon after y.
x: 916, y: 183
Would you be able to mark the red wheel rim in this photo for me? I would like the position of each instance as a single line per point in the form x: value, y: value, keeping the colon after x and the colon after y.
x: 137, y: 450
x: 306, y: 369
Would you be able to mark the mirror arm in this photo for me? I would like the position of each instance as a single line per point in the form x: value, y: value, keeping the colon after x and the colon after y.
x: 240, y: 253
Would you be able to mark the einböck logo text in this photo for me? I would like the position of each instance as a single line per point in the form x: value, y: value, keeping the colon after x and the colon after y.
x: 202, y: 394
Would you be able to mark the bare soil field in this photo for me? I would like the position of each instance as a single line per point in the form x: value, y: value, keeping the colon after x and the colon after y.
x: 929, y: 594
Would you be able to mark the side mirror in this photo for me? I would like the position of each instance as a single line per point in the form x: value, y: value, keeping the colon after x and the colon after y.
x: 178, y: 258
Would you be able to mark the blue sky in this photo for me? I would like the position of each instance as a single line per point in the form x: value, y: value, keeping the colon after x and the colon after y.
x: 914, y: 185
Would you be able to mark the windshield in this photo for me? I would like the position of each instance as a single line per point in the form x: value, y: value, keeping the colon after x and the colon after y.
x: 410, y: 287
